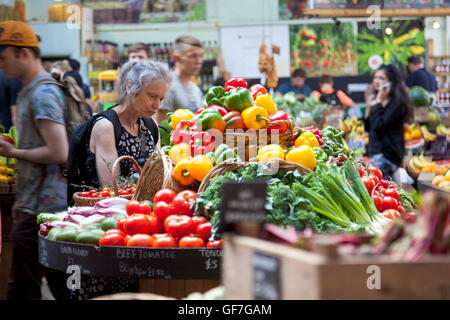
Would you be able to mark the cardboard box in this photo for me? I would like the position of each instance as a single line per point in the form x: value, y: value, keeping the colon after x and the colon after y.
x: 310, y: 275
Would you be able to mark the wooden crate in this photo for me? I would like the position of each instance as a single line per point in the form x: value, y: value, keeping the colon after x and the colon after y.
x: 5, y: 188
x: 176, y: 289
x: 312, y: 276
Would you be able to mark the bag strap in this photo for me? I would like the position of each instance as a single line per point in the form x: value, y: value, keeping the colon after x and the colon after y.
x: 44, y: 80
x: 112, y: 116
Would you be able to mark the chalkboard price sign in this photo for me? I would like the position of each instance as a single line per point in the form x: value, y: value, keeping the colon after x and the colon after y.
x: 266, y: 277
x: 131, y: 262
x: 243, y: 203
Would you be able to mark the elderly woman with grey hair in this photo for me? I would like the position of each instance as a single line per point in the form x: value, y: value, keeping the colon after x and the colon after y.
x: 143, y: 86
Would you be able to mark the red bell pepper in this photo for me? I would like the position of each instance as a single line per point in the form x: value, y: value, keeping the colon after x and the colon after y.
x: 223, y: 111
x: 219, y: 109
x: 281, y: 127
x: 200, y: 110
x: 184, y: 131
x: 257, y: 89
x: 235, y: 83
x: 201, y: 143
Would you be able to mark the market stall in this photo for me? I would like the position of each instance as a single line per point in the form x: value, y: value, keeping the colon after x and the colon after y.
x: 169, y: 224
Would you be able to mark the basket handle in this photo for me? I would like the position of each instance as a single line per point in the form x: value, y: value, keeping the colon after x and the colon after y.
x: 116, y: 166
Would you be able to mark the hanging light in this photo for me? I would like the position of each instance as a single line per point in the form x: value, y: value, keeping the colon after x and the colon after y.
x: 436, y: 24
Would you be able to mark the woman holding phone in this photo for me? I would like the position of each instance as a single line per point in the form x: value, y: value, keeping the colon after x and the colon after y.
x: 386, y: 111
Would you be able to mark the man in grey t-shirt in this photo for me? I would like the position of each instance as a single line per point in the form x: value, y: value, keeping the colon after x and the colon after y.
x: 183, y: 93
x: 43, y: 147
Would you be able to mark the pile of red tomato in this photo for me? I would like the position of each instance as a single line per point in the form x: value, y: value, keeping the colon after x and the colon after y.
x: 106, y: 192
x: 384, y: 194
x: 170, y: 224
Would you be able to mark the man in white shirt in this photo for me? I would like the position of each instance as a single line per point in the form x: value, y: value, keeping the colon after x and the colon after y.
x: 183, y: 93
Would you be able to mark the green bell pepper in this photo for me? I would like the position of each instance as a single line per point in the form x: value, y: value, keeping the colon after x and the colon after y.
x: 210, y: 119
x: 239, y: 99
x: 224, y: 152
x: 215, y: 95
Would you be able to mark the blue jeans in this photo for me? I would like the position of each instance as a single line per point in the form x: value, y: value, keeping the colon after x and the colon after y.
x: 387, y: 167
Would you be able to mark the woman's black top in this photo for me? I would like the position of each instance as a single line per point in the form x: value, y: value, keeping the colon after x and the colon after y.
x: 385, y: 127
x: 141, y: 146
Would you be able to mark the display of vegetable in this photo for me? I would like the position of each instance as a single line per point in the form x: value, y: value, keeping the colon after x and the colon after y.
x: 233, y: 120
x: 223, y: 153
x: 279, y: 116
x: 178, y: 115
x: 265, y: 101
x: 413, y: 236
x: 183, y: 131
x: 233, y: 83
x: 256, y: 90
x: 210, y: 119
x: 255, y: 117
x: 238, y: 99
x: 215, y: 95
x: 187, y: 171
x: 201, y: 143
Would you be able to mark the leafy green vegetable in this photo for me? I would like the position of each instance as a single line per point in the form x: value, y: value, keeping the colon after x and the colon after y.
x: 164, y: 133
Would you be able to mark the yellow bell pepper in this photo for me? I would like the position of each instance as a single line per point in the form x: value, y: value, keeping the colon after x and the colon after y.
x: 180, y: 114
x: 255, y: 117
x: 307, y: 138
x: 181, y: 172
x: 179, y: 152
x: 269, y: 152
x: 199, y: 166
x: 266, y: 101
x: 302, y: 155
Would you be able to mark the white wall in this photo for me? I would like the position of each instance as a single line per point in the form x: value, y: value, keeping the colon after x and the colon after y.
x: 441, y: 36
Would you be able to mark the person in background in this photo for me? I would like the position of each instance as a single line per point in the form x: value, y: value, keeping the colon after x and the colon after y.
x: 296, y: 84
x: 386, y: 111
x: 9, y: 89
x: 136, y: 8
x: 75, y: 73
x: 59, y: 68
x: 139, y: 52
x: 328, y: 95
x: 43, y: 148
x: 419, y: 76
x: 183, y: 93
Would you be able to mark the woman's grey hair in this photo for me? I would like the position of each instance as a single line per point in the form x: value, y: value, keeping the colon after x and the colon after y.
x: 141, y: 74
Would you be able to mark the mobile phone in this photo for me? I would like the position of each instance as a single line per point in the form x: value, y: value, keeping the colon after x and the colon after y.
x: 387, y: 84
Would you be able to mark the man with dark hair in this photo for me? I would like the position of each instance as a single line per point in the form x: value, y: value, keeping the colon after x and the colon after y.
x: 75, y: 73
x: 43, y: 147
x: 419, y: 76
x: 328, y: 95
x: 183, y: 93
x: 138, y: 52
x: 296, y: 84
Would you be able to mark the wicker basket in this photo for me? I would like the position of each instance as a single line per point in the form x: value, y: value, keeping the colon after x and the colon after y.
x: 232, y: 165
x: 89, y: 202
x: 252, y: 141
x: 156, y: 175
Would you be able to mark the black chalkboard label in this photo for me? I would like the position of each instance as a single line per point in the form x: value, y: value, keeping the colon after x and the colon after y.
x: 266, y: 277
x: 243, y: 202
x: 131, y: 262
